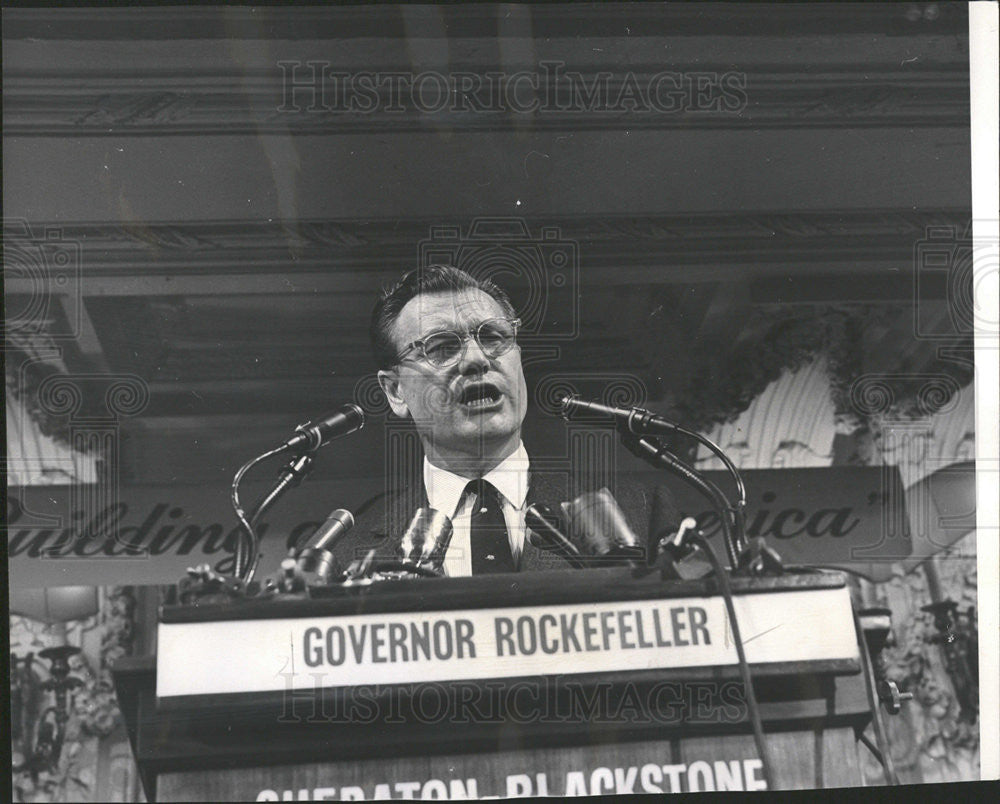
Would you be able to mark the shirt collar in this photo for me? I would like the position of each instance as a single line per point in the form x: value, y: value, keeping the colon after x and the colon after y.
x: 510, y: 477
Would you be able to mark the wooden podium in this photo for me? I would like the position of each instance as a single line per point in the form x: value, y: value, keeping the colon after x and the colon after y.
x: 542, y: 683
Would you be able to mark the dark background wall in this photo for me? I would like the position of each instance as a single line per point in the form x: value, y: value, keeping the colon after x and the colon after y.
x: 229, y: 251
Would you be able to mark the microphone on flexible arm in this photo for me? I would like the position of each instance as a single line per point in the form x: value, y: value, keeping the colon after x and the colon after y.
x: 636, y: 420
x: 308, y: 438
x: 313, y: 435
x: 637, y: 425
x: 650, y: 450
x: 548, y: 533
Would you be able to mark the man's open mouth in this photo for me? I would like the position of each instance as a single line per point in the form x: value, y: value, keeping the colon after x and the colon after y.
x: 480, y: 395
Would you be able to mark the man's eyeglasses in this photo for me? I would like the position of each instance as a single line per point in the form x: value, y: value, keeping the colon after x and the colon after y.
x: 445, y: 348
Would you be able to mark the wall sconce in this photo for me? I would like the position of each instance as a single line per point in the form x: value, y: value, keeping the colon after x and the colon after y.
x: 958, y: 636
x: 38, y: 731
x: 942, y: 508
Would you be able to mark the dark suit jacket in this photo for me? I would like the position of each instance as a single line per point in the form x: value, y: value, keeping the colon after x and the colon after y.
x: 380, y: 522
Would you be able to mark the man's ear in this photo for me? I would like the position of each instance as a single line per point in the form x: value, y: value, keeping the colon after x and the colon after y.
x: 389, y: 380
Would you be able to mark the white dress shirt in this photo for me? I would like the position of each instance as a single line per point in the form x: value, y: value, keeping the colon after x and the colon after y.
x: 445, y: 493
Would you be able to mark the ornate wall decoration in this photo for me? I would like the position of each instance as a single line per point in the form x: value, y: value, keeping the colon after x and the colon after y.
x: 942, y: 740
x: 23, y: 376
x: 931, y: 428
x: 80, y: 410
x: 787, y: 339
x: 94, y: 716
x: 795, y: 419
x: 671, y: 242
x: 932, y: 739
x: 792, y: 423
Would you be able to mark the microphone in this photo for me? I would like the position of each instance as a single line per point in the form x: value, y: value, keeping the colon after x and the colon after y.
x: 313, y: 435
x: 636, y: 420
x: 547, y: 533
x: 638, y: 428
x: 601, y: 524
x: 316, y: 554
x: 426, y: 539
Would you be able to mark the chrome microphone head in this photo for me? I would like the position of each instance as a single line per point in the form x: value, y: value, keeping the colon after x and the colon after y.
x: 426, y: 538
x: 600, y: 523
x: 546, y: 531
x: 312, y: 435
x: 586, y: 410
x: 316, y: 554
x: 566, y: 405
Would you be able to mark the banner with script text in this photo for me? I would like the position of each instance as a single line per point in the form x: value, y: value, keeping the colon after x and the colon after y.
x: 57, y: 536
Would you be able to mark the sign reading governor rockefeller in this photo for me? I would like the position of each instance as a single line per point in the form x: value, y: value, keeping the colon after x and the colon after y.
x: 283, y: 654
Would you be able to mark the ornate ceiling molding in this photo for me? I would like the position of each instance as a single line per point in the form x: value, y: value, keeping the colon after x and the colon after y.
x: 466, y: 20
x: 296, y: 99
x: 697, y: 246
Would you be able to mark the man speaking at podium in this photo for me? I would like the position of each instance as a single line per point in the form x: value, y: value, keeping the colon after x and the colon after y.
x: 446, y: 347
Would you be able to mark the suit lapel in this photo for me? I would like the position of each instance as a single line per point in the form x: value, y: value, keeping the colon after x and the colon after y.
x: 546, y: 489
x: 400, y: 506
x: 542, y: 490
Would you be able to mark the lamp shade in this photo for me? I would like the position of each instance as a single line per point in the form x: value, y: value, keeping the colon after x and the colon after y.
x: 55, y: 604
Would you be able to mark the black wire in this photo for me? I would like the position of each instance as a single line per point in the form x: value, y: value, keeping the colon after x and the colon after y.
x: 693, y: 477
x: 863, y: 738
x: 868, y: 672
x: 247, y: 531
x: 752, y: 706
x: 652, y: 451
x: 741, y: 491
x: 265, y: 503
x: 739, y: 509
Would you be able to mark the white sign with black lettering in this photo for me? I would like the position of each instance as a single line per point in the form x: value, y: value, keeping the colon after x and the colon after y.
x: 411, y: 647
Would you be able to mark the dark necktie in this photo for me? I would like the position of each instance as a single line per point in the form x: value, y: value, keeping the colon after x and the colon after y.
x: 488, y: 531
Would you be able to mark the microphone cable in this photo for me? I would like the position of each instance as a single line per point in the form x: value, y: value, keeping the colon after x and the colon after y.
x: 248, y: 533
x: 752, y: 705
x: 652, y: 451
x: 881, y: 752
x: 737, y: 509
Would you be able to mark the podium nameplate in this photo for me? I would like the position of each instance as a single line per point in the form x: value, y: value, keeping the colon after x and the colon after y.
x: 228, y: 656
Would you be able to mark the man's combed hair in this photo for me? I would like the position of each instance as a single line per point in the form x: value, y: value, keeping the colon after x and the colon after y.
x: 432, y: 279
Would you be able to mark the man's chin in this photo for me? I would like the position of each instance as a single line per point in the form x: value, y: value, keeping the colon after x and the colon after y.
x: 488, y: 426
